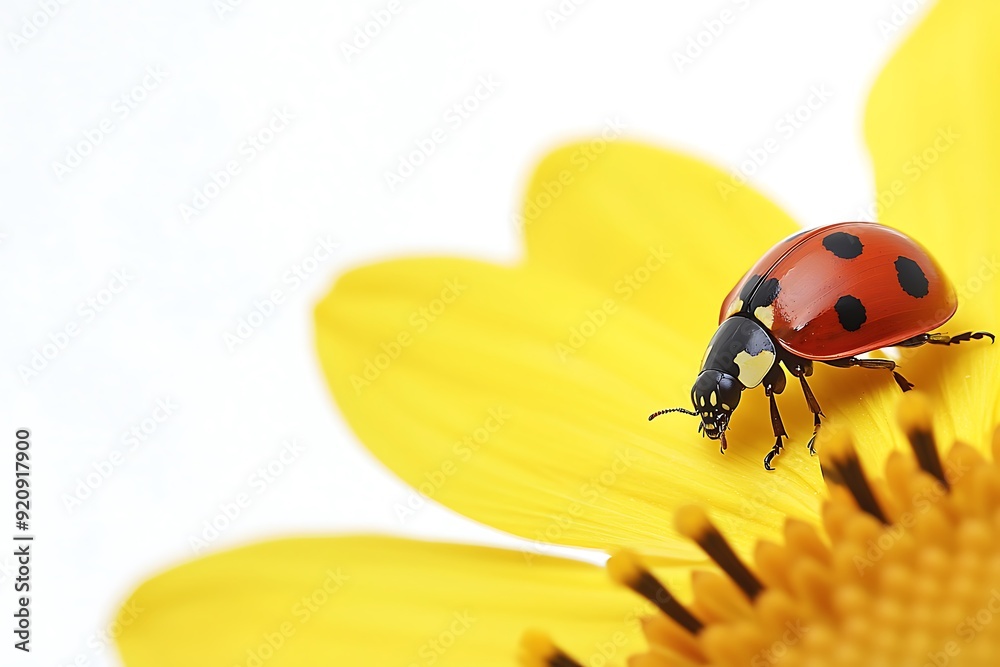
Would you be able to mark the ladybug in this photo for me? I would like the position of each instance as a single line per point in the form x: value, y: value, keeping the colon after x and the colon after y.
x: 826, y: 294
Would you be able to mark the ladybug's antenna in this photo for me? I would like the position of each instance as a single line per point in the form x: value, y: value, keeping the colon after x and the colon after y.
x: 663, y: 412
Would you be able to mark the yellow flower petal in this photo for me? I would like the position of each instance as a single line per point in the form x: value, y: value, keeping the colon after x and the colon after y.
x: 372, y: 601
x: 598, y: 211
x: 933, y: 131
x: 519, y: 398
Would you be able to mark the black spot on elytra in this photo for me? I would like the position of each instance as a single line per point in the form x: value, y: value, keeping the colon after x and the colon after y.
x: 843, y: 245
x: 851, y: 312
x: 748, y: 287
x: 911, y: 278
x: 766, y: 293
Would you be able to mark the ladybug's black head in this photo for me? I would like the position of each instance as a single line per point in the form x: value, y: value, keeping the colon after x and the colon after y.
x: 715, y: 395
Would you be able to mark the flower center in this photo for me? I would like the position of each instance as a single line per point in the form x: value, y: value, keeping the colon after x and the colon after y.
x: 905, y: 571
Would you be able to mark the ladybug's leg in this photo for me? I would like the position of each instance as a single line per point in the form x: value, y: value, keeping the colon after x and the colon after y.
x: 887, y: 364
x: 802, y: 368
x: 945, y: 339
x: 774, y: 383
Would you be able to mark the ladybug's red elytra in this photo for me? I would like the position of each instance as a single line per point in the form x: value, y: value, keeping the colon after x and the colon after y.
x: 826, y: 294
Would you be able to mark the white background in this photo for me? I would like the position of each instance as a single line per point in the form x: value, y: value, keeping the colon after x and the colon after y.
x: 227, y: 69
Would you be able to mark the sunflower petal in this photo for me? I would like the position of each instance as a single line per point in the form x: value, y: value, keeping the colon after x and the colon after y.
x: 519, y: 398
x: 372, y: 601
x: 603, y: 212
x: 932, y: 129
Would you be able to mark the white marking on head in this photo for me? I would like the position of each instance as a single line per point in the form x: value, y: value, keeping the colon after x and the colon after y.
x: 711, y: 398
x: 753, y: 368
x: 710, y: 426
x: 701, y: 399
x: 766, y: 315
x: 726, y: 407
